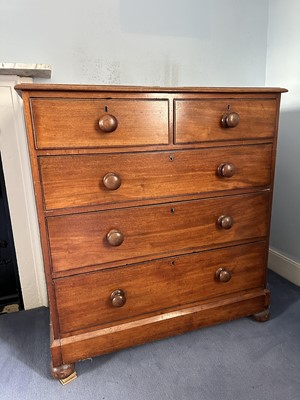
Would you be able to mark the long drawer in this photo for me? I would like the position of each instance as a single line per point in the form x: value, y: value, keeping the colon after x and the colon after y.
x: 107, y: 296
x: 86, y: 239
x: 82, y: 180
x: 224, y: 119
x: 73, y: 123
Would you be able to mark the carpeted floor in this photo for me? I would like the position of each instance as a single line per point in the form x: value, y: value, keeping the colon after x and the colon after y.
x: 240, y: 360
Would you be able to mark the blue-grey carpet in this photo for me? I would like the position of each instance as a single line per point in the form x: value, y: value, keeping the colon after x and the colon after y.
x: 239, y: 360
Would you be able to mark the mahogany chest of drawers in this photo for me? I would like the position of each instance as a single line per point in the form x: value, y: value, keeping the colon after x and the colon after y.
x: 154, y: 209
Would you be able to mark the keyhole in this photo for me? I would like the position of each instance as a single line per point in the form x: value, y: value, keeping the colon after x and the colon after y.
x: 228, y: 107
x: 105, y: 108
x: 172, y: 210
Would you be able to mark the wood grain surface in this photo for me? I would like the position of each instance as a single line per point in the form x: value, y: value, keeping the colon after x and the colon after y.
x: 199, y: 120
x: 80, y: 239
x: 73, y: 181
x: 72, y: 123
x: 84, y: 300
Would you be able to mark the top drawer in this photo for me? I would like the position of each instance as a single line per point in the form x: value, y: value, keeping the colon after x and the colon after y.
x: 223, y: 119
x: 71, y: 123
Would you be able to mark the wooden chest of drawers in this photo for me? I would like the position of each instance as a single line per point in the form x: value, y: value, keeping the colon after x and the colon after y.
x: 154, y: 209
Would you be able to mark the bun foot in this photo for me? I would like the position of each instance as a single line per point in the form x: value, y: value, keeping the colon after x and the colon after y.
x: 65, y: 373
x: 262, y: 316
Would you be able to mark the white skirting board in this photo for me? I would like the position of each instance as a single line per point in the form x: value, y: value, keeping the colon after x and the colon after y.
x: 284, y: 266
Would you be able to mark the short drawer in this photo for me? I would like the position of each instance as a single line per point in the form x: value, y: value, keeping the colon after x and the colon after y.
x: 107, y: 296
x: 71, y: 181
x: 224, y: 119
x: 72, y: 123
x: 137, y: 233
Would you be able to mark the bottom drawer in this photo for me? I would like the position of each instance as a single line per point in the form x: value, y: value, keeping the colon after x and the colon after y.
x: 86, y: 300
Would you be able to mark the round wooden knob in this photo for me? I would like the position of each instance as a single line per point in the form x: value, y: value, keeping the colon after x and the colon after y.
x: 118, y: 298
x: 112, y: 181
x: 225, y: 221
x: 115, y: 238
x: 226, y: 170
x: 230, y: 120
x: 108, y: 123
x: 223, y: 275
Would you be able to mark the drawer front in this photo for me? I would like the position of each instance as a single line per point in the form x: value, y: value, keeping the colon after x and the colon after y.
x: 84, y: 301
x: 210, y: 120
x: 71, y: 123
x: 70, y: 181
x: 142, y: 232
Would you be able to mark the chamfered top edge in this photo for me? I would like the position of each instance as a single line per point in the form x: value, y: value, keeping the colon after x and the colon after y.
x: 145, y: 89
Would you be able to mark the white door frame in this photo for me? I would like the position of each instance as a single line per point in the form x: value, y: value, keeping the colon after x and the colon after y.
x: 20, y: 193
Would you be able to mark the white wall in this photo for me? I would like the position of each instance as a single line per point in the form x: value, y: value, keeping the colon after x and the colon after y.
x: 157, y: 42
x: 283, y: 69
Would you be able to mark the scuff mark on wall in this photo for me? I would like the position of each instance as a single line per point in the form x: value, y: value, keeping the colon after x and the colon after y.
x: 99, y: 71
